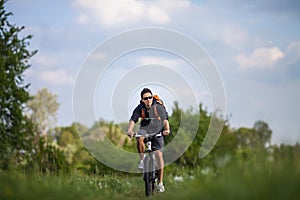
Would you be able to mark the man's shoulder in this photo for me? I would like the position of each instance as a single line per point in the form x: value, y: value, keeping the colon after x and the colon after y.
x: 159, y: 106
x: 138, y: 107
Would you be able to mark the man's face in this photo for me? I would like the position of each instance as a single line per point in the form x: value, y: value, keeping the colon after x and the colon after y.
x: 147, y: 99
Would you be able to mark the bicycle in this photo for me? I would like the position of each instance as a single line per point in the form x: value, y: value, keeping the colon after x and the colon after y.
x: 150, y: 173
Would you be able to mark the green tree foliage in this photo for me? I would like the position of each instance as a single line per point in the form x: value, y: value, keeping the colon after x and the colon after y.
x: 43, y: 109
x: 242, y: 143
x: 261, y: 129
x: 190, y: 118
x: 50, y: 159
x: 78, y: 157
x: 257, y: 137
x: 14, y: 55
x: 245, y: 147
x: 246, y: 138
x: 69, y: 143
x: 66, y: 138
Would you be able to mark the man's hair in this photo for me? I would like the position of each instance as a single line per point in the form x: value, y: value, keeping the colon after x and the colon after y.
x: 145, y: 90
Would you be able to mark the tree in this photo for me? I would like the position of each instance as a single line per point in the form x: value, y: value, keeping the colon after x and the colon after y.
x: 43, y: 109
x: 14, y: 56
x: 246, y: 138
x: 66, y: 137
x: 264, y: 133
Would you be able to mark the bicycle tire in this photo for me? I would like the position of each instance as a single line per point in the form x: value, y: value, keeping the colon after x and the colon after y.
x: 147, y: 176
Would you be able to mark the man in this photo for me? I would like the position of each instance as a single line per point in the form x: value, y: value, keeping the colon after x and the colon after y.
x: 149, y: 108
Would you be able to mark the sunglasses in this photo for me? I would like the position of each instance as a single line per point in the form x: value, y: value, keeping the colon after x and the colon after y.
x: 146, y: 98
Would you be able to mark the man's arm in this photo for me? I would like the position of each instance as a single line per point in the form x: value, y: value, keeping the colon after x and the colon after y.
x: 133, y: 119
x: 130, y: 128
x: 164, y: 116
x: 166, y: 128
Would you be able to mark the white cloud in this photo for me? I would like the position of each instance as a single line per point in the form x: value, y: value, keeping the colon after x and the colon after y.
x: 99, y: 56
x: 157, y: 15
x: 261, y: 57
x: 56, y: 77
x: 83, y: 18
x: 231, y: 34
x: 125, y: 12
x: 45, y: 61
x: 293, y: 52
x: 45, y: 68
x: 148, y: 60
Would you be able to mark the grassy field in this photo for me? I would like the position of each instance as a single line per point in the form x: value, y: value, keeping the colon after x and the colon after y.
x: 235, y: 181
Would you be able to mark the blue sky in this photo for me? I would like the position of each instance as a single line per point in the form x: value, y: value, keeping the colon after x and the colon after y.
x: 254, y: 44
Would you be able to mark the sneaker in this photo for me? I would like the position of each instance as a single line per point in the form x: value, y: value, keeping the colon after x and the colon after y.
x: 141, y: 165
x: 160, y: 188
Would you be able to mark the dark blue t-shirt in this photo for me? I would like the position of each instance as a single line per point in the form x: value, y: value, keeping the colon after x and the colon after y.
x: 151, y: 123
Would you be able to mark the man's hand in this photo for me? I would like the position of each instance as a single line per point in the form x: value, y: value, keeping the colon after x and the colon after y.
x: 166, y: 132
x: 130, y: 134
x: 130, y: 128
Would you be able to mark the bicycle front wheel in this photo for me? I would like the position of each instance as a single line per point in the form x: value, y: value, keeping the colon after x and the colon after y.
x: 148, y: 176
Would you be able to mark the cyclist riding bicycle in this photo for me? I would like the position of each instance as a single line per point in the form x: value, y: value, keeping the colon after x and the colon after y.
x: 154, y: 119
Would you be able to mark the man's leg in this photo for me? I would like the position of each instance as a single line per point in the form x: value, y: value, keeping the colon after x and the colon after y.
x: 141, y: 148
x: 158, y: 143
x: 160, y: 165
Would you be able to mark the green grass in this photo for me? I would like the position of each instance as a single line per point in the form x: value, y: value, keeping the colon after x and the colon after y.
x: 243, y: 180
x: 16, y: 186
x: 238, y: 180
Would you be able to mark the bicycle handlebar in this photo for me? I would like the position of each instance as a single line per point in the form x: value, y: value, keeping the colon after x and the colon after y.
x: 142, y: 133
x: 147, y: 118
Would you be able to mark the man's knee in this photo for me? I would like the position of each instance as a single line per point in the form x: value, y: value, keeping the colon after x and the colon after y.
x: 158, y: 153
x: 140, y: 142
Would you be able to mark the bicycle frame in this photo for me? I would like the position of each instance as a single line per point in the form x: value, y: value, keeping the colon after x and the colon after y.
x: 149, y: 170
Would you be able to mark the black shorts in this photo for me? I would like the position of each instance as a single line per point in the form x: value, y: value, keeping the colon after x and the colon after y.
x: 157, y: 143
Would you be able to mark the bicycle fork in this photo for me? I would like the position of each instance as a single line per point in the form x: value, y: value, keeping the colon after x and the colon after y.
x: 150, y: 162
